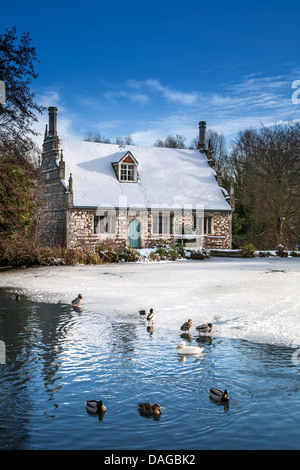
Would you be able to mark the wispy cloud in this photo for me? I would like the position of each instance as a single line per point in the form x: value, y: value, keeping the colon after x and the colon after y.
x: 254, y: 100
x: 136, y: 97
x: 159, y: 109
x: 145, y: 91
x: 179, y: 97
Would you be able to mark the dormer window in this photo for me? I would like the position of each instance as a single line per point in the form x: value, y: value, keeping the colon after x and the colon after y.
x: 126, y: 168
x: 127, y: 172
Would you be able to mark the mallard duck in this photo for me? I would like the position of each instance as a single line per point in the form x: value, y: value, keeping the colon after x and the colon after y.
x: 206, y: 328
x: 151, y: 315
x: 77, y: 301
x: 185, y: 350
x: 150, y: 408
x: 187, y: 326
x: 219, y: 395
x: 16, y: 297
x: 94, y: 406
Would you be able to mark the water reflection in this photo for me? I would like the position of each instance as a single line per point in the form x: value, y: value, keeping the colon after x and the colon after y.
x: 57, y: 357
x: 124, y: 337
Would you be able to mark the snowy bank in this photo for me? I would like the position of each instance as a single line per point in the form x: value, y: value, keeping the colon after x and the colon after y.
x: 251, y: 299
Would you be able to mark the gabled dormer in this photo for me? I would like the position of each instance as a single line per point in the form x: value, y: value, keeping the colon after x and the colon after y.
x: 126, y: 168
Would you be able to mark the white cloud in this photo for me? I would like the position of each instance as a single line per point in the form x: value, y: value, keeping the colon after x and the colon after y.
x: 136, y: 97
x: 49, y: 97
x: 231, y: 107
x: 179, y: 97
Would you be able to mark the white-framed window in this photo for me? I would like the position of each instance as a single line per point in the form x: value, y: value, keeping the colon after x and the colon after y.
x: 203, y: 225
x: 207, y: 225
x: 126, y: 168
x: 127, y: 172
x: 162, y: 223
x: 105, y: 223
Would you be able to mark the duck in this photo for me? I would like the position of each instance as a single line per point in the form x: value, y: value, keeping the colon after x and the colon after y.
x: 219, y: 395
x: 16, y: 297
x: 151, y: 315
x: 77, y: 301
x: 94, y: 406
x: 187, y: 326
x: 150, y: 408
x: 206, y: 328
x: 184, y: 350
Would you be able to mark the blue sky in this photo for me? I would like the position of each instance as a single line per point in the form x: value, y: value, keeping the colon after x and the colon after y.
x: 152, y: 69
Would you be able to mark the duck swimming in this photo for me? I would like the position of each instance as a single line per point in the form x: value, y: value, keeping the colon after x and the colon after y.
x: 206, y: 328
x: 219, y: 395
x: 94, y: 406
x: 77, y: 301
x: 16, y: 297
x: 150, y: 408
x: 187, y: 326
x: 184, y: 350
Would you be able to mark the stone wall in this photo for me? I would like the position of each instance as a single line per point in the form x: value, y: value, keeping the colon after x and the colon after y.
x: 80, y: 223
x: 221, y: 231
x: 53, y: 211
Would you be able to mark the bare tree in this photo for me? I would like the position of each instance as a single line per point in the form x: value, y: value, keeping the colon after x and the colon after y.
x: 95, y: 137
x: 266, y: 165
x: 176, y: 142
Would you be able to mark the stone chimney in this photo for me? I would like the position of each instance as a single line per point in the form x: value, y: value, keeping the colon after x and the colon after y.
x: 51, y: 140
x: 202, y: 136
x: 52, y: 121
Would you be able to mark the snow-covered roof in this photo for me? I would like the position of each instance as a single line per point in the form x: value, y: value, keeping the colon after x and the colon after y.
x: 167, y: 178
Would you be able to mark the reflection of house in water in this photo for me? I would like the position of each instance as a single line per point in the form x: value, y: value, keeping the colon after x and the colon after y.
x: 54, y: 324
x: 124, y: 337
x: 35, y: 342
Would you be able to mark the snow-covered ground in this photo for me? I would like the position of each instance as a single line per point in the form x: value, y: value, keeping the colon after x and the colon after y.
x: 252, y: 299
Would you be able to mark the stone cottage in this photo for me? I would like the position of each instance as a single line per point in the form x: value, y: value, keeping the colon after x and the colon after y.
x: 139, y: 196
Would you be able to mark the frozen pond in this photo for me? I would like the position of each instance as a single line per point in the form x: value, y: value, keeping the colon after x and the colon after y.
x: 56, y: 357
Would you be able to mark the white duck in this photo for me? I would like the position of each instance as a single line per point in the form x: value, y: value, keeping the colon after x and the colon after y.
x: 185, y: 350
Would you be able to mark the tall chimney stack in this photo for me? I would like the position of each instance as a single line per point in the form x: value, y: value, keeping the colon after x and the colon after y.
x: 202, y: 136
x: 52, y: 121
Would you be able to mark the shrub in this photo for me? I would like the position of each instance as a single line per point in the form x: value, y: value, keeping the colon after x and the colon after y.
x: 264, y: 254
x: 200, y: 253
x: 295, y: 253
x: 248, y: 251
x: 282, y: 251
x: 17, y: 252
x: 165, y: 252
x: 128, y: 254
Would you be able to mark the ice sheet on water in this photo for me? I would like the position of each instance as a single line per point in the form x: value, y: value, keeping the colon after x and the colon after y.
x: 252, y: 299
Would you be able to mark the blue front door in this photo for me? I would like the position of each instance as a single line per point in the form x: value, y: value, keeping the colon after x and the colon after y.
x: 134, y: 233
